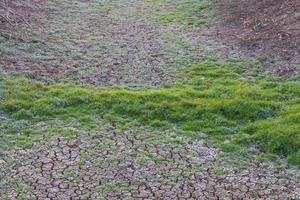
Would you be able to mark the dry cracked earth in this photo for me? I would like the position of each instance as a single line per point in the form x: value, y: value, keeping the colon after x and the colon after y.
x: 139, y: 164
x: 136, y: 165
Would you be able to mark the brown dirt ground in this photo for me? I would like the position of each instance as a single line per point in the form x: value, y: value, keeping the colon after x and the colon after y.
x: 133, y: 165
x: 268, y: 30
x: 15, y: 14
x: 111, y: 44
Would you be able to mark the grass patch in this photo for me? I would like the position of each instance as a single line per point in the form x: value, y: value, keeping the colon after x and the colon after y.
x: 193, y: 13
x: 216, y: 100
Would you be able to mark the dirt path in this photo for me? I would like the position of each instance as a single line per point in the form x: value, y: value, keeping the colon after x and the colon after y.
x: 110, y: 44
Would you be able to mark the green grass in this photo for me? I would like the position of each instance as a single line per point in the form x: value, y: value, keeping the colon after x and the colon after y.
x: 193, y: 12
x: 217, y: 100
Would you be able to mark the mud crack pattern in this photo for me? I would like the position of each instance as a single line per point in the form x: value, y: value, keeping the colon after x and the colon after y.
x: 136, y: 166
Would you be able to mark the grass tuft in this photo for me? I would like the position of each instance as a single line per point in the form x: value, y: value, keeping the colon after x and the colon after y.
x: 193, y: 13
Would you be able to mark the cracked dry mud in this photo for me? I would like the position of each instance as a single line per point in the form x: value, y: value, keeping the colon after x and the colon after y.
x: 128, y: 165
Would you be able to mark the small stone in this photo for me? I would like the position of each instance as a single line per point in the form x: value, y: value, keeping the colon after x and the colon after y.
x: 63, y: 185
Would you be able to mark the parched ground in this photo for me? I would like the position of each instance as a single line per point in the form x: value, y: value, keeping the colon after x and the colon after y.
x: 119, y: 43
x: 265, y: 31
x: 139, y: 164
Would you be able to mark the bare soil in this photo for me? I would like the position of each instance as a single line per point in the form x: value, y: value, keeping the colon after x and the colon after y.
x: 88, y: 43
x: 127, y: 49
x: 17, y: 14
x: 267, y: 30
x: 137, y: 165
